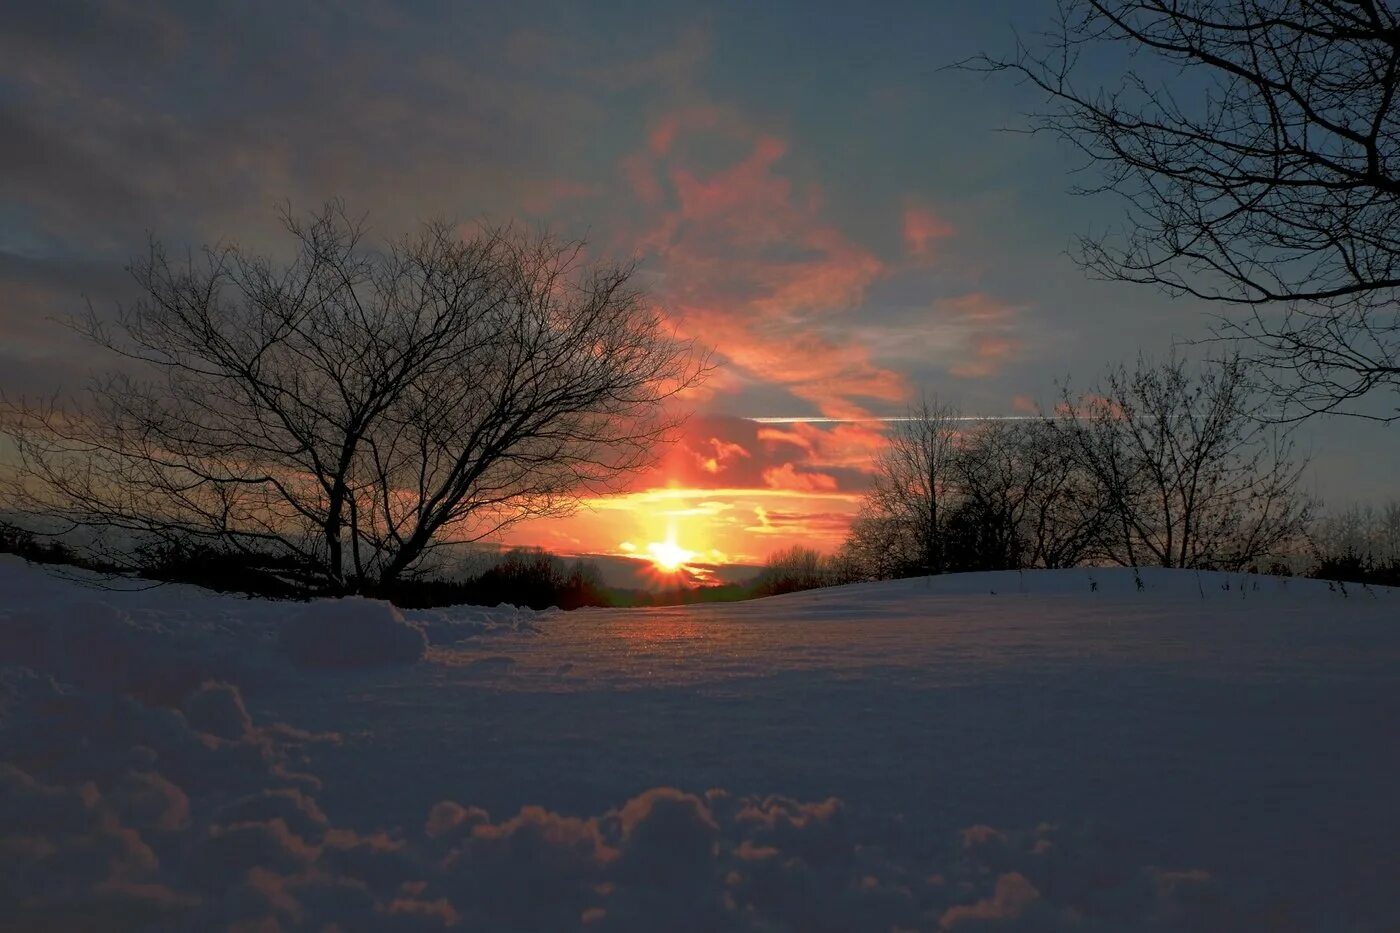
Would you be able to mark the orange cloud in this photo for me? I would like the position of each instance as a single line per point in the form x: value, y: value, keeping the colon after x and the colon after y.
x: 989, y: 354
x: 831, y: 374
x: 988, y: 327
x: 849, y: 446
x: 787, y: 477
x: 723, y: 452
x: 749, y: 265
x: 804, y: 526
x: 921, y: 227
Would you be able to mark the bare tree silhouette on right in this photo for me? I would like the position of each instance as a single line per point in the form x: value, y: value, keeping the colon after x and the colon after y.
x: 1256, y: 145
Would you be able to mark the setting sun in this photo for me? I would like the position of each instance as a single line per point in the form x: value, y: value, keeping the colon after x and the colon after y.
x: 668, y: 555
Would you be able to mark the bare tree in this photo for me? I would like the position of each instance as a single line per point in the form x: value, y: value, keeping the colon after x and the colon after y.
x: 993, y: 481
x: 796, y: 568
x: 906, y: 506
x: 877, y: 547
x: 346, y: 413
x: 1190, y: 476
x: 1368, y: 536
x: 1023, y: 487
x: 1256, y: 146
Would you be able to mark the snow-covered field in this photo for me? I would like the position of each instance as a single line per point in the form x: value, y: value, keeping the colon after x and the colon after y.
x: 1054, y: 750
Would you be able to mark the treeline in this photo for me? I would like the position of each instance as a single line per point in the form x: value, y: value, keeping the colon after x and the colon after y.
x: 1159, y: 465
x: 1360, y: 544
x: 527, y: 577
x: 537, y: 579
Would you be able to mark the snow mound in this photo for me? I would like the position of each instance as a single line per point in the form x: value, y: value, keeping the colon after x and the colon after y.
x: 1125, y: 587
x: 350, y: 633
x: 125, y: 650
x: 451, y: 625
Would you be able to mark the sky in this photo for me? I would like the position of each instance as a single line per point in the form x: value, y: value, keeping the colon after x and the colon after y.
x: 808, y: 188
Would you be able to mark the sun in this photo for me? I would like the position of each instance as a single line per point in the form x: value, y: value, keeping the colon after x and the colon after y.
x: 668, y: 555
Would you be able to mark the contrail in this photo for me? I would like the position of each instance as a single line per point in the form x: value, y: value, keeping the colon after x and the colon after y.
x: 817, y: 420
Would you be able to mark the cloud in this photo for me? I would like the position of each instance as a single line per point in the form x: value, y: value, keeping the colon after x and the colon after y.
x: 728, y: 452
x: 835, y: 446
x: 1012, y: 899
x: 788, y: 477
x: 808, y: 527
x: 747, y: 262
x: 972, y: 335
x: 921, y: 229
x: 984, y: 331
x: 723, y: 452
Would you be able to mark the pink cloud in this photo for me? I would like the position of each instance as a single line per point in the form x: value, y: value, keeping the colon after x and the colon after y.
x: 921, y: 227
x: 840, y: 446
x: 988, y: 327
x: 831, y: 374
x: 989, y: 354
x: 749, y: 265
x: 724, y: 451
x: 788, y: 477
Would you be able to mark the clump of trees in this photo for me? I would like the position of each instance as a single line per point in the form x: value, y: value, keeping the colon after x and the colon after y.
x: 332, y: 420
x: 1360, y: 544
x: 1160, y: 465
x: 39, y: 549
x: 798, y: 568
x: 1190, y: 474
x: 529, y: 577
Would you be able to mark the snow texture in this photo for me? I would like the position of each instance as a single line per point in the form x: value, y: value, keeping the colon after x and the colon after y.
x: 352, y: 632
x: 1033, y: 752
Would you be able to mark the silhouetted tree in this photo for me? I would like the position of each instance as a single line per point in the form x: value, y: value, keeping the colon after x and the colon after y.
x: 1064, y: 514
x: 538, y: 579
x: 1024, y: 500
x: 1360, y: 543
x: 877, y: 547
x: 353, y: 409
x: 1256, y: 146
x: 1190, y: 476
x: 794, y: 569
x: 906, y: 506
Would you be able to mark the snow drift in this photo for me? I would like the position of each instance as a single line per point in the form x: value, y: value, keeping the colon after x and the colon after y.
x: 352, y: 632
x: 1059, y: 751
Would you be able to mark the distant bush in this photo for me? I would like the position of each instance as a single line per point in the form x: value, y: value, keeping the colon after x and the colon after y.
x: 1360, y: 544
x: 41, y: 549
x: 794, y: 569
x: 1356, y: 568
x: 537, y: 579
x: 219, y: 569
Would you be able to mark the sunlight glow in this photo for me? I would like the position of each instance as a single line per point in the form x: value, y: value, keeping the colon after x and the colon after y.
x: 668, y: 555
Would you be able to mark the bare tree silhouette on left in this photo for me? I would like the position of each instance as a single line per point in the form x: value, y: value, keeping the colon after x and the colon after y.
x: 341, y: 416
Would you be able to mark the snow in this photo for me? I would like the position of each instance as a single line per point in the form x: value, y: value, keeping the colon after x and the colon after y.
x: 1040, y: 751
x: 352, y: 632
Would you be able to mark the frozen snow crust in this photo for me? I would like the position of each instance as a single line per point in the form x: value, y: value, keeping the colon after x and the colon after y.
x: 1040, y: 751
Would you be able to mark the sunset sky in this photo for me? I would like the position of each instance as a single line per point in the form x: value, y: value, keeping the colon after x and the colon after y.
x: 808, y: 190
